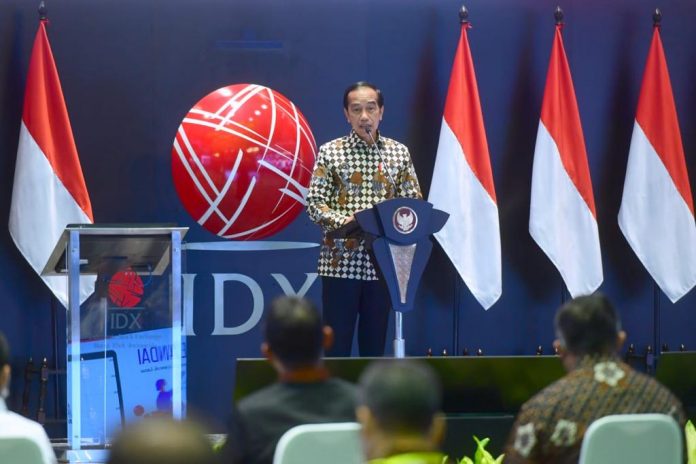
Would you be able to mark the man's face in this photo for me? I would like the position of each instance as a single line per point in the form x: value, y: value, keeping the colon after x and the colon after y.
x: 363, y: 112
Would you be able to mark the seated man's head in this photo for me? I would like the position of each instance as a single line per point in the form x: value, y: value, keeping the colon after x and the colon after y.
x: 399, y: 408
x: 587, y: 326
x: 161, y: 441
x: 294, y: 334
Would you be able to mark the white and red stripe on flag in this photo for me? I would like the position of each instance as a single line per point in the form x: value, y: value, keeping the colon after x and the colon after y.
x: 657, y: 209
x: 49, y: 190
x: 562, y: 218
x: 462, y: 184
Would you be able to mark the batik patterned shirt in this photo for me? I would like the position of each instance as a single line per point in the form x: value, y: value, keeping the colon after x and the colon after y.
x: 350, y: 176
x: 550, y: 427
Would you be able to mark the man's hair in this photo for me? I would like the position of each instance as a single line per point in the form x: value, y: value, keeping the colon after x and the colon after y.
x: 159, y: 440
x: 403, y: 395
x: 4, y: 350
x: 359, y: 84
x: 588, y: 325
x: 294, y: 331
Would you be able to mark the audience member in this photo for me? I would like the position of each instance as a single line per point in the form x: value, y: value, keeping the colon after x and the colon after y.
x: 551, y: 425
x: 159, y: 440
x: 399, y: 408
x: 304, y: 393
x: 13, y: 425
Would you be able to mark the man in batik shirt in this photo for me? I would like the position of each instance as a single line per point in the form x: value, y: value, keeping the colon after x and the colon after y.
x: 350, y: 175
x: 550, y: 427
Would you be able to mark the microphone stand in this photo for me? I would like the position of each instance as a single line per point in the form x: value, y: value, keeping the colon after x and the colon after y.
x: 399, y: 342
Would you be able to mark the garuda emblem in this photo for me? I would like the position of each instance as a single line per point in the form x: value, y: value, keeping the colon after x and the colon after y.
x: 405, y: 220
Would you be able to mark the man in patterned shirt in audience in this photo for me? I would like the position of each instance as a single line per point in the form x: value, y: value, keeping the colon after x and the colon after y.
x: 353, y: 173
x: 550, y: 426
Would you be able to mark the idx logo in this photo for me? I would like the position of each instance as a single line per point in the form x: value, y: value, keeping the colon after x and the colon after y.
x: 125, y: 320
x: 257, y: 295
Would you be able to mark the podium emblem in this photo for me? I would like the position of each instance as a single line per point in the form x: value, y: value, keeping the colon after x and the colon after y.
x: 405, y: 220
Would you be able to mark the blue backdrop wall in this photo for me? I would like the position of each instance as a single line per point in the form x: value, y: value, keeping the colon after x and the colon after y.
x: 131, y: 70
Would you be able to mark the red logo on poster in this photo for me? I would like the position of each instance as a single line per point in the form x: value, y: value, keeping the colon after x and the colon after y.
x: 242, y: 161
x: 126, y: 288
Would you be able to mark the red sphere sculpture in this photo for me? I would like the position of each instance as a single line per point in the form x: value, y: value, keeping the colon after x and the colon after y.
x: 242, y: 161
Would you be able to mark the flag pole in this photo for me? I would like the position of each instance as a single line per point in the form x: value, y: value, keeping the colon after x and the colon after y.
x: 464, y: 22
x: 43, y: 16
x: 558, y: 16
x: 657, y: 19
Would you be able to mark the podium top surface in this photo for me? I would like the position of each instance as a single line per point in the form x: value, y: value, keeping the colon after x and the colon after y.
x: 124, y: 229
x: 143, y: 247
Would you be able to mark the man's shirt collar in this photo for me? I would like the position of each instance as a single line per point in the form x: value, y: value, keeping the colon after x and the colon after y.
x: 355, y: 140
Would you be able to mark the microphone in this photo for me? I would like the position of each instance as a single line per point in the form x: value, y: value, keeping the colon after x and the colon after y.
x: 368, y: 130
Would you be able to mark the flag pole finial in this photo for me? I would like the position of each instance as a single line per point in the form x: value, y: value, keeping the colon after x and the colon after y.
x: 43, y: 13
x: 463, y: 15
x: 657, y: 17
x: 558, y: 14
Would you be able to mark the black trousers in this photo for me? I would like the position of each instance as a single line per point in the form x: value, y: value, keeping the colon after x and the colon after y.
x: 344, y: 301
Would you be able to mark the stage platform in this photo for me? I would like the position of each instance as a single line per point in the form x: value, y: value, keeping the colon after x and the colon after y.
x: 481, y: 394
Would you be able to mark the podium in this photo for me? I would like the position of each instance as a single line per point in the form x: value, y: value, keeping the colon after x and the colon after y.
x: 398, y: 233
x: 125, y: 348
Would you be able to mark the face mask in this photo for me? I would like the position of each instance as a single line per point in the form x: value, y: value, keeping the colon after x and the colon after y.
x: 5, y: 392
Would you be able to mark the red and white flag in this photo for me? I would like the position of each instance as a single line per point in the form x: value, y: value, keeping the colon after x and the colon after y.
x: 657, y: 210
x: 49, y: 191
x: 562, y: 218
x: 462, y: 184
